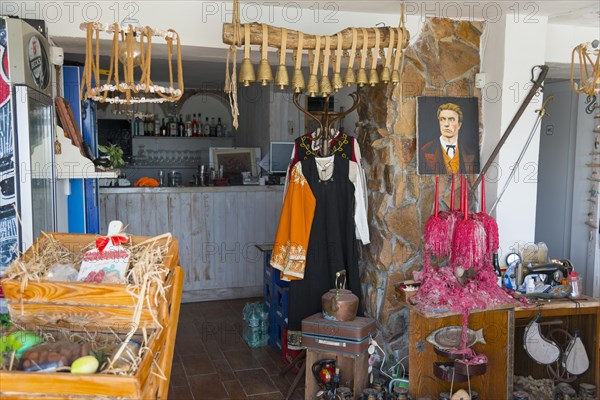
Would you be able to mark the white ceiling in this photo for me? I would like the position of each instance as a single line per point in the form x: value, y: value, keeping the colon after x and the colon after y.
x: 210, y: 71
x: 584, y: 13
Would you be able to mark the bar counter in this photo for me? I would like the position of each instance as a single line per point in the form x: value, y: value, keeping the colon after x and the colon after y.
x: 217, y: 229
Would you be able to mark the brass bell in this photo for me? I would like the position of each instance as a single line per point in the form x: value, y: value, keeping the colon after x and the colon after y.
x: 264, y: 74
x: 313, y: 86
x: 298, y: 81
x: 361, y: 78
x: 281, y: 77
x: 247, y: 74
x: 337, y: 82
x: 373, y: 77
x: 326, y: 87
x: 386, y: 76
x: 395, y: 77
x: 350, y: 78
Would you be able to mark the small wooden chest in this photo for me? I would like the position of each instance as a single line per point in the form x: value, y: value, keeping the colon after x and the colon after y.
x: 351, y: 337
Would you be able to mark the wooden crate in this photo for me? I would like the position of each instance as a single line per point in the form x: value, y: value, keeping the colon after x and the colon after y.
x: 353, y: 369
x: 79, y: 303
x: 145, y: 384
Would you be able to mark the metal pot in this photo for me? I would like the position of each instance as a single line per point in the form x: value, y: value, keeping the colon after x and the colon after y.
x: 339, y: 304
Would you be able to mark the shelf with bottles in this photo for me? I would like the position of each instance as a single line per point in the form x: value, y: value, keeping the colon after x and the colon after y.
x: 184, y: 137
x: 173, y: 126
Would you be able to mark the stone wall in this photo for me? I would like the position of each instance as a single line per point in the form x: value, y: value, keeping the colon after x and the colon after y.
x: 442, y: 61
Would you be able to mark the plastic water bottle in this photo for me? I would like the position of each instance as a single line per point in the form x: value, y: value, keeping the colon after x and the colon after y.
x: 256, y: 324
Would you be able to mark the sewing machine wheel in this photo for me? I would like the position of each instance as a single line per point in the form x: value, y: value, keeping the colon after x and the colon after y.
x: 558, y: 276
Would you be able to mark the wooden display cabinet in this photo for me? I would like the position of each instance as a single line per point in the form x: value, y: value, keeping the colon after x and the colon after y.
x: 503, y: 331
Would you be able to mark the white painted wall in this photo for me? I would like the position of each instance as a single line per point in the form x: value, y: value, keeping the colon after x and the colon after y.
x: 561, y: 39
x: 510, y: 61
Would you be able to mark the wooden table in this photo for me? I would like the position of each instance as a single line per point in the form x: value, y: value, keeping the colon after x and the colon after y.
x: 503, y: 331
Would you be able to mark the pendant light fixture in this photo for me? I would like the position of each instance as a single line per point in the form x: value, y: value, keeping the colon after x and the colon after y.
x: 361, y: 78
x: 373, y: 76
x: 397, y: 56
x: 130, y: 55
x: 313, y: 81
x: 326, y: 87
x: 350, y: 78
x: 298, y: 83
x: 336, y: 81
x: 247, y: 74
x: 386, y: 74
x: 281, y: 77
x: 264, y: 73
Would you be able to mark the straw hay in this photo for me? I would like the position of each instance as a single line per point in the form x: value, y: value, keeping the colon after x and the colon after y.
x: 146, y: 274
x: 99, y: 341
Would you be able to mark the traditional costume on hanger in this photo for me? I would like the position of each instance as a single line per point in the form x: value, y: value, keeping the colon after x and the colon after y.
x: 336, y: 213
x: 345, y: 146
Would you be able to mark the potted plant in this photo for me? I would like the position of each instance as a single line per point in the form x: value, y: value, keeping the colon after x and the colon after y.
x: 115, y: 156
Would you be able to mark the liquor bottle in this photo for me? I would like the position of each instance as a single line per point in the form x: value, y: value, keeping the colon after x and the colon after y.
x: 195, y: 127
x: 172, y: 126
x: 156, y: 127
x: 188, y: 125
x: 135, y: 126
x: 206, y: 128
x: 163, y: 128
x: 180, y: 127
x: 219, y: 128
x: 213, y: 127
x: 151, y: 127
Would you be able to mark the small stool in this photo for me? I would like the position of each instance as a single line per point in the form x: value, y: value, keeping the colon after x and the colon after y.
x: 300, y: 358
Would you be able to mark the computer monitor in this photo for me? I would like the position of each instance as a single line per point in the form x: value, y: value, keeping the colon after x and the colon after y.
x: 279, y: 159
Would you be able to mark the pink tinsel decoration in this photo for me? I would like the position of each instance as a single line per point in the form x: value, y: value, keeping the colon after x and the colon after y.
x: 437, y: 234
x: 469, y: 241
x: 489, y: 224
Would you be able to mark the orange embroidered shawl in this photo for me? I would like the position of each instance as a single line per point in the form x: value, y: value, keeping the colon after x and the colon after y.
x: 293, y: 233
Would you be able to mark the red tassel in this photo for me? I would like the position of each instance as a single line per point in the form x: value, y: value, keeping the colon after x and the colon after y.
x: 483, y: 193
x: 437, y: 195
x: 452, y: 194
x: 466, y: 199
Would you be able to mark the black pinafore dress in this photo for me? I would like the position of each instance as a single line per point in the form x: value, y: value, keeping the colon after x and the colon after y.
x: 332, y: 242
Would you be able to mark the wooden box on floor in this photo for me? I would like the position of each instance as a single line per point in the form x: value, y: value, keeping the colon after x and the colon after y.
x: 353, y: 369
x: 82, y: 307
x: 80, y: 303
x: 150, y: 382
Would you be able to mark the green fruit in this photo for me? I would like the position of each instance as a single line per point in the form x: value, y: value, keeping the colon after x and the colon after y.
x: 21, y: 341
x: 85, y: 365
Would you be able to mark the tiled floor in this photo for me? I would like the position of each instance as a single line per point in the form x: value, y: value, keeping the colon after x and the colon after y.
x: 212, y: 361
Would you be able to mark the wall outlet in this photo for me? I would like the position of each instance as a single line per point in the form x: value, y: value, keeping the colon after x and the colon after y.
x: 480, y: 80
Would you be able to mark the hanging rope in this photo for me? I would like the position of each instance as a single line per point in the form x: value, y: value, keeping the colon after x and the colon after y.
x: 589, y: 71
x: 231, y: 80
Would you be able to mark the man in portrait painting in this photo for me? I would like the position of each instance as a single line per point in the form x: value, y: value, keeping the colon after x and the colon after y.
x: 447, y: 154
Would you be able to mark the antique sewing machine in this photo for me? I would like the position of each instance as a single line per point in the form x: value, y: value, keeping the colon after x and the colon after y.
x: 551, y: 274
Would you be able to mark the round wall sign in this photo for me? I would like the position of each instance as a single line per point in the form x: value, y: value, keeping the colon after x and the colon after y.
x: 38, y: 62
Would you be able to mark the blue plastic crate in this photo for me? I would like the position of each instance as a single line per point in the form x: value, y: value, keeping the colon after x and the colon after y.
x: 269, y: 295
x: 268, y: 270
x: 280, y: 299
x: 273, y: 335
x: 271, y: 273
x: 276, y: 331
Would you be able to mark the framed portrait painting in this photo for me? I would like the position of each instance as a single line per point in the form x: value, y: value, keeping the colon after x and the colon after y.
x: 448, y: 135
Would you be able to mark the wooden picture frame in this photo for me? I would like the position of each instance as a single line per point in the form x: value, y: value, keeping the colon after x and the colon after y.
x: 235, y: 160
x: 442, y: 119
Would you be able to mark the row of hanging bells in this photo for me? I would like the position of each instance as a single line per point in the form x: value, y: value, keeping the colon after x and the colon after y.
x: 319, y: 59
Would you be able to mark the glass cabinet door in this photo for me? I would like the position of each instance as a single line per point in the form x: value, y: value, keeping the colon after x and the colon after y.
x: 34, y: 136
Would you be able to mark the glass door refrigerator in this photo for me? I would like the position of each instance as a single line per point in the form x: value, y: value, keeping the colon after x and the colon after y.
x: 27, y: 185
